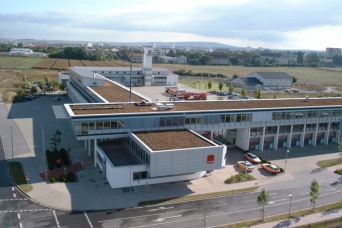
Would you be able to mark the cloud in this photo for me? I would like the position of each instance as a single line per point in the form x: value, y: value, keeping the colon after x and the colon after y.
x: 259, y: 22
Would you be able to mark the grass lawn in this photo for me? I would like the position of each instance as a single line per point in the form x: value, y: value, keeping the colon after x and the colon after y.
x: 196, y: 197
x: 328, y: 163
x: 18, y: 62
x: 18, y: 176
x: 304, y: 74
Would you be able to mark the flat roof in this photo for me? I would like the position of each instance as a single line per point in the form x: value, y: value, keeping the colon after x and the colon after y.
x: 114, y: 93
x: 118, y: 153
x: 172, y: 140
x: 126, y: 108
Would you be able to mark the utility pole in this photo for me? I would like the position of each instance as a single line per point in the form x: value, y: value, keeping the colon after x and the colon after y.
x: 12, y: 143
x: 130, y: 79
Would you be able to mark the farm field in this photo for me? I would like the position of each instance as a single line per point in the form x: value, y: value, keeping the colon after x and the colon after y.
x: 18, y: 62
x: 303, y: 74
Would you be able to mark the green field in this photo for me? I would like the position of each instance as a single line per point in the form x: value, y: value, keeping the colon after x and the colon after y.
x: 18, y: 62
x: 304, y: 74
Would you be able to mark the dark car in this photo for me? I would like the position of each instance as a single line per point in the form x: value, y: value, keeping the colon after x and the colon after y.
x: 57, y: 99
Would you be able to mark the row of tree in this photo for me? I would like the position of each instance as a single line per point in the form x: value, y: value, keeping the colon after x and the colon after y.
x: 263, y: 198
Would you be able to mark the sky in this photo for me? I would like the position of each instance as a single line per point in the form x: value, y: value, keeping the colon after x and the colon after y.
x: 274, y: 24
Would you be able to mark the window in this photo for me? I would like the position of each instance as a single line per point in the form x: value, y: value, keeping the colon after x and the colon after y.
x: 211, y: 159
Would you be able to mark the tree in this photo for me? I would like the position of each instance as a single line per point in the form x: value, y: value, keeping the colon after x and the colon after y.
x: 274, y: 96
x: 300, y: 57
x: 62, y: 87
x: 209, y: 85
x: 205, y: 59
x: 257, y: 93
x: 220, y: 86
x: 314, y: 193
x: 294, y: 79
x: 24, y: 83
x: 243, y: 91
x: 235, y: 76
x: 206, y: 209
x: 20, y: 45
x: 33, y: 90
x: 262, y: 199
x: 56, y: 140
x: 231, y: 88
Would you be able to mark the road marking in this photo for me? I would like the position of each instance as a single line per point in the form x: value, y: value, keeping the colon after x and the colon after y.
x: 19, y: 216
x: 249, y: 201
x: 162, y: 219
x: 31, y: 210
x: 20, y: 225
x: 222, y: 214
x: 89, y: 222
x: 14, y: 195
x: 56, y: 219
x: 131, y: 217
x: 161, y: 208
x: 193, y: 209
x: 13, y: 189
x: 13, y: 199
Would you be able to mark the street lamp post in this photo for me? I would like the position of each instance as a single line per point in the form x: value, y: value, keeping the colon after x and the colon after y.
x: 12, y: 143
x: 130, y: 180
x: 288, y: 219
x: 287, y: 151
x: 130, y: 79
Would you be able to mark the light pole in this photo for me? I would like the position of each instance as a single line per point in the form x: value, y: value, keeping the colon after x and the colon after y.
x: 12, y: 143
x: 130, y: 180
x: 288, y: 219
x: 287, y: 151
x: 130, y: 79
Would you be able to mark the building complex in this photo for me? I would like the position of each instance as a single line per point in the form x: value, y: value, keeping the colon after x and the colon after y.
x: 137, y: 141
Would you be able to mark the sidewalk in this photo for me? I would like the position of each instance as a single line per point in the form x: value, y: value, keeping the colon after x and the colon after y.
x: 305, y: 220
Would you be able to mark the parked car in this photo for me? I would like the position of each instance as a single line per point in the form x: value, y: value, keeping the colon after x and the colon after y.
x: 245, y: 165
x: 28, y: 98
x: 271, y: 168
x: 252, y: 157
x: 174, y: 99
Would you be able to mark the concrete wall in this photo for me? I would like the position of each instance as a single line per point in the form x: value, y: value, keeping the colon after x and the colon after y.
x: 242, y: 138
x: 184, y: 161
x: 172, y: 79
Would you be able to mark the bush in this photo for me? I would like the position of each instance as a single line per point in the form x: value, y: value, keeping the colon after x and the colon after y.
x: 49, y: 159
x: 53, y: 180
x: 338, y: 171
x: 65, y: 156
x: 62, y: 178
x: 71, y: 177
x: 281, y: 170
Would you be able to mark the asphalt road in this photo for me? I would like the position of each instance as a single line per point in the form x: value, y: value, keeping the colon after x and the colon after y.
x: 224, y: 210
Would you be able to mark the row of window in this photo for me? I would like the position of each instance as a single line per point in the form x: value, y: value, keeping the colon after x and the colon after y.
x: 235, y: 118
x: 137, y: 150
x: 295, y: 128
x: 306, y: 114
x: 83, y: 128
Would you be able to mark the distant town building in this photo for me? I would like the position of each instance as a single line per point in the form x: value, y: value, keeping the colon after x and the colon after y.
x: 89, y: 44
x: 331, y: 52
x: 264, y: 80
x: 178, y: 60
x: 25, y: 52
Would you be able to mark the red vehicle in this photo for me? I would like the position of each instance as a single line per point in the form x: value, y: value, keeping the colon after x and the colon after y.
x: 271, y: 168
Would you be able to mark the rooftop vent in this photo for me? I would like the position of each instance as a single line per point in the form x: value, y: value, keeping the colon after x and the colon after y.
x: 142, y: 103
x: 306, y: 99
